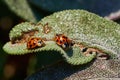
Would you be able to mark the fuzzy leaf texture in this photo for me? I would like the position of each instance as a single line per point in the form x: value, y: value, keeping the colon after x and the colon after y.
x: 18, y: 30
x: 82, y: 26
x: 22, y: 9
x: 87, y: 28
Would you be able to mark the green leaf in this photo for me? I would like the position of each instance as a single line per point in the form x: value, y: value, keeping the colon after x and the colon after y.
x: 20, y: 29
x: 22, y: 9
x: 81, y: 26
x: 87, y: 28
x: 75, y: 56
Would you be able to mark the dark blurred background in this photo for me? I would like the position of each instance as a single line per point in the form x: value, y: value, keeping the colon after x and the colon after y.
x: 12, y: 12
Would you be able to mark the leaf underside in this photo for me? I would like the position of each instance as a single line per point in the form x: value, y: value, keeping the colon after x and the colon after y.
x: 22, y: 9
x: 99, y: 70
x: 73, y: 56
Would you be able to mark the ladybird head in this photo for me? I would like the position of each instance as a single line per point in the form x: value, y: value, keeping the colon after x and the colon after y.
x: 40, y: 43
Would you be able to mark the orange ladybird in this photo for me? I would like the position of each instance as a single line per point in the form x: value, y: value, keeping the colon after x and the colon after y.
x: 35, y: 43
x: 63, y: 41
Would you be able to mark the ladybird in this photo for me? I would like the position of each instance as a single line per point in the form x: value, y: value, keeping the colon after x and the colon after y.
x: 35, y: 43
x: 63, y: 41
x: 46, y: 28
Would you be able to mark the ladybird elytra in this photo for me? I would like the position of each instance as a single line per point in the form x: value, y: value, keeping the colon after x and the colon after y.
x: 63, y: 41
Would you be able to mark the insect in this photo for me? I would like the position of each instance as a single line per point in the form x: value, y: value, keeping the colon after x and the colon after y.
x: 63, y: 41
x: 46, y: 28
x: 35, y: 43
